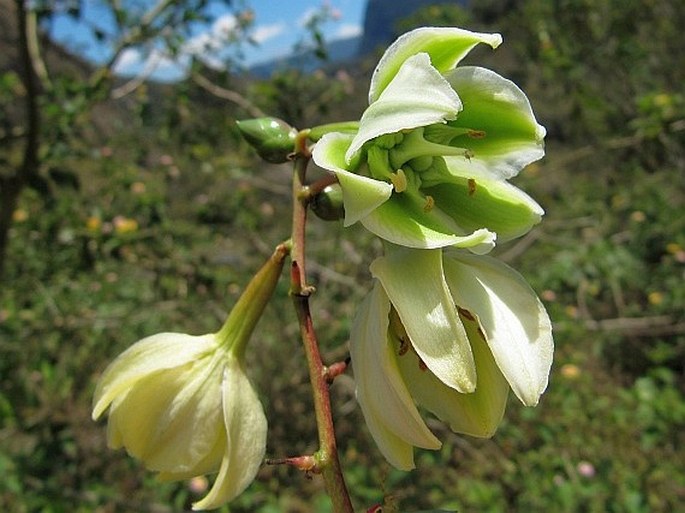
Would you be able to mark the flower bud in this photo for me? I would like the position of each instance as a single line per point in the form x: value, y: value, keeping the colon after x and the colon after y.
x: 273, y: 138
x: 328, y: 204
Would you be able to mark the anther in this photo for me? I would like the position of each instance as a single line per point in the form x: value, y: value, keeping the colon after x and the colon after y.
x: 465, y: 313
x: 399, y: 180
x: 430, y: 203
x: 472, y: 186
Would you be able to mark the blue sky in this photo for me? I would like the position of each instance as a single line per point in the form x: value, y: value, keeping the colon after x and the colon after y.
x: 276, y: 27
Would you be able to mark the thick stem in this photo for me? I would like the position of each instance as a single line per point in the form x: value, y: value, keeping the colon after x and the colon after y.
x: 12, y: 186
x: 328, y: 463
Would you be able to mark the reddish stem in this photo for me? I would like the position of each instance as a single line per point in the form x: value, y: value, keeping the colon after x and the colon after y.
x: 327, y: 461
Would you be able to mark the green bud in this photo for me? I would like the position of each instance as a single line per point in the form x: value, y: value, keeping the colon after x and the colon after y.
x: 273, y: 138
x: 328, y: 204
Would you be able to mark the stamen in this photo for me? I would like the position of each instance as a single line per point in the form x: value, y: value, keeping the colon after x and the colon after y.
x: 472, y: 186
x: 430, y: 203
x: 476, y: 134
x: 399, y: 180
x: 397, y: 328
x: 422, y: 365
x: 465, y: 313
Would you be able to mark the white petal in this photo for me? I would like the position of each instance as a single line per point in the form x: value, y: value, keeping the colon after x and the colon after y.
x: 417, y: 96
x: 171, y: 419
x: 389, y: 411
x: 246, y: 428
x: 361, y: 194
x: 405, y: 223
x: 515, y: 322
x: 445, y: 45
x: 414, y: 282
x: 145, y: 357
x: 477, y: 199
x: 513, y: 138
x: 476, y: 414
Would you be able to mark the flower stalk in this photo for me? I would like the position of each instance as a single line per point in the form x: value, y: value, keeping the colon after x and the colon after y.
x: 327, y: 461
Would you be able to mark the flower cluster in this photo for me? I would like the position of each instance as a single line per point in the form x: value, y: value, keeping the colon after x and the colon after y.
x: 428, y: 166
x: 427, y: 169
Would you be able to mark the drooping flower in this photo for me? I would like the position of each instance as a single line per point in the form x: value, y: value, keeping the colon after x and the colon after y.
x: 184, y: 405
x: 452, y: 334
x: 428, y: 163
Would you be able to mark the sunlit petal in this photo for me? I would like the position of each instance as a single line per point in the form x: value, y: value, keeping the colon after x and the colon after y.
x: 513, y: 138
x: 405, y: 104
x: 476, y: 414
x: 388, y: 409
x: 246, y: 426
x: 149, y: 355
x: 446, y: 46
x: 516, y: 325
x: 361, y: 194
x: 403, y: 221
x: 476, y: 201
x: 416, y: 287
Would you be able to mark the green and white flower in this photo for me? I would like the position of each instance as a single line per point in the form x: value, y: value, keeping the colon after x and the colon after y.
x: 184, y: 405
x: 428, y: 164
x: 451, y: 334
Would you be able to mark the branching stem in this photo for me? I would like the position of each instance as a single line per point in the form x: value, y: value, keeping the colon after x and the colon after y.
x: 327, y: 461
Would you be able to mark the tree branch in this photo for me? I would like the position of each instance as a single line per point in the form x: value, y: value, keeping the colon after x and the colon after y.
x: 227, y: 94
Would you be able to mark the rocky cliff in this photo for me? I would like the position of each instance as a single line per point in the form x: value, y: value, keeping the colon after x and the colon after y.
x: 382, y: 16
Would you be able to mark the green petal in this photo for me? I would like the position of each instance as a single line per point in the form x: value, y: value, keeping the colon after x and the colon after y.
x: 147, y: 356
x: 483, y: 202
x: 246, y: 427
x: 445, y: 45
x: 403, y: 221
x: 418, y: 95
x: 414, y: 282
x: 361, y: 194
x: 389, y: 411
x: 476, y: 414
x: 513, y: 138
x: 516, y: 325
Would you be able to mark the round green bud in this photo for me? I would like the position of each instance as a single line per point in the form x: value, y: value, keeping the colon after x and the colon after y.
x: 328, y: 204
x: 273, y: 138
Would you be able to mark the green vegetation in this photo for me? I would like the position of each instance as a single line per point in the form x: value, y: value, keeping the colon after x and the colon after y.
x: 152, y: 214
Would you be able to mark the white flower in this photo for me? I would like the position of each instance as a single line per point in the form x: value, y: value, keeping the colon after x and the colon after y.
x: 428, y: 164
x: 183, y: 404
x: 451, y: 334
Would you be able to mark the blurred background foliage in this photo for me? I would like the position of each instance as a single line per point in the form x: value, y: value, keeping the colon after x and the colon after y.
x: 147, y: 213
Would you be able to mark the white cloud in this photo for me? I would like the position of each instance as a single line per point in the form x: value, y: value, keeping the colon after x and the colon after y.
x: 263, y: 33
x: 224, y: 26
x: 307, y: 16
x: 348, y: 30
x: 170, y: 68
x: 128, y: 59
x: 134, y: 62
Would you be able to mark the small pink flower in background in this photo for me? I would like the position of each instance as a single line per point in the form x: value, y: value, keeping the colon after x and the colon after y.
x: 166, y: 160
x: 586, y: 469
